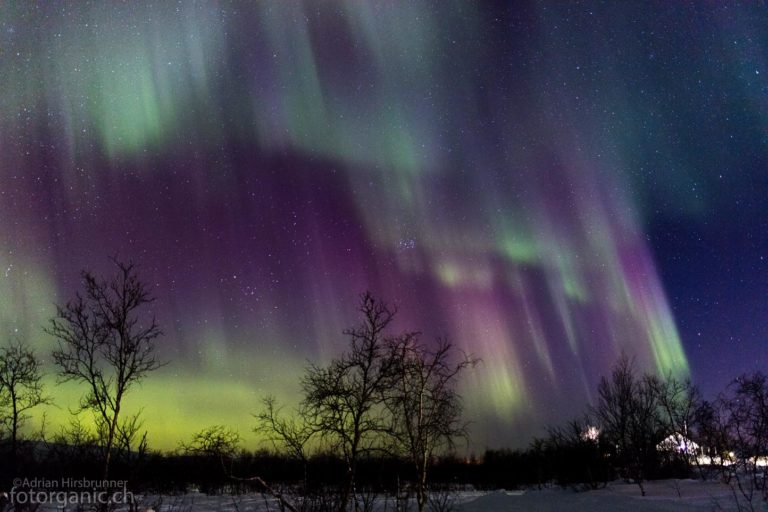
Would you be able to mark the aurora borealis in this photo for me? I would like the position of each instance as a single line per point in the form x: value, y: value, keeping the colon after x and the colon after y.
x: 546, y: 184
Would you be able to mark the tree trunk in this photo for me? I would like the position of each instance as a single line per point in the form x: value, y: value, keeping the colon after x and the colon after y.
x: 14, y: 434
x: 421, y: 485
x: 14, y: 428
x: 111, y: 439
x: 349, y: 488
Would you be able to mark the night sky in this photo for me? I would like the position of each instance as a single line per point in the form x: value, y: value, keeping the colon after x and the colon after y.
x: 546, y: 185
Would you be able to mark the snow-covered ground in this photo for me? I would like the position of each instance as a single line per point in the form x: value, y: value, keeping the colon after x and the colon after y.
x: 662, y: 496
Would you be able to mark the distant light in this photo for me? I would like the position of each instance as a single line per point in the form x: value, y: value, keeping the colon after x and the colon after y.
x: 590, y: 433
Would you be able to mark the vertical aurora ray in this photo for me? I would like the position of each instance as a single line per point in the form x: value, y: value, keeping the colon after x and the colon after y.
x: 498, y: 173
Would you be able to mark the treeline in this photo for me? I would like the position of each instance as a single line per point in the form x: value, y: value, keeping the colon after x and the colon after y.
x: 178, y: 472
x: 383, y: 417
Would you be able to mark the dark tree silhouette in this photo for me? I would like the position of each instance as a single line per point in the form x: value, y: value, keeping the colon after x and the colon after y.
x: 221, y: 443
x: 217, y: 442
x: 105, y: 343
x: 424, y: 407
x: 678, y: 401
x: 745, y: 410
x: 575, y: 455
x: 385, y: 394
x: 710, y: 426
x: 21, y: 388
x: 629, y: 414
x: 288, y: 435
x: 343, y: 401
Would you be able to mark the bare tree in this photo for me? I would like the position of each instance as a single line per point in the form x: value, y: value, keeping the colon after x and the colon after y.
x: 221, y: 443
x: 343, y: 401
x: 218, y: 442
x: 127, y: 439
x: 710, y: 426
x: 575, y: 455
x: 614, y: 410
x: 746, y: 409
x: 290, y: 435
x: 105, y: 343
x: 72, y: 442
x: 678, y: 402
x: 424, y: 407
x: 21, y: 388
x: 628, y: 411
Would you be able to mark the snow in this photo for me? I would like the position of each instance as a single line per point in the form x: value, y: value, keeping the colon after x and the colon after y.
x: 662, y: 496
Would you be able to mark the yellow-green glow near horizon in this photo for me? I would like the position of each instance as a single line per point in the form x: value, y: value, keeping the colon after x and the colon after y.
x: 175, y: 404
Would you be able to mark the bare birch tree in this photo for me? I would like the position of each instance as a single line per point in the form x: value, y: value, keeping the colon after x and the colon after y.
x: 425, y: 409
x: 21, y: 388
x: 343, y: 401
x: 106, y: 343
